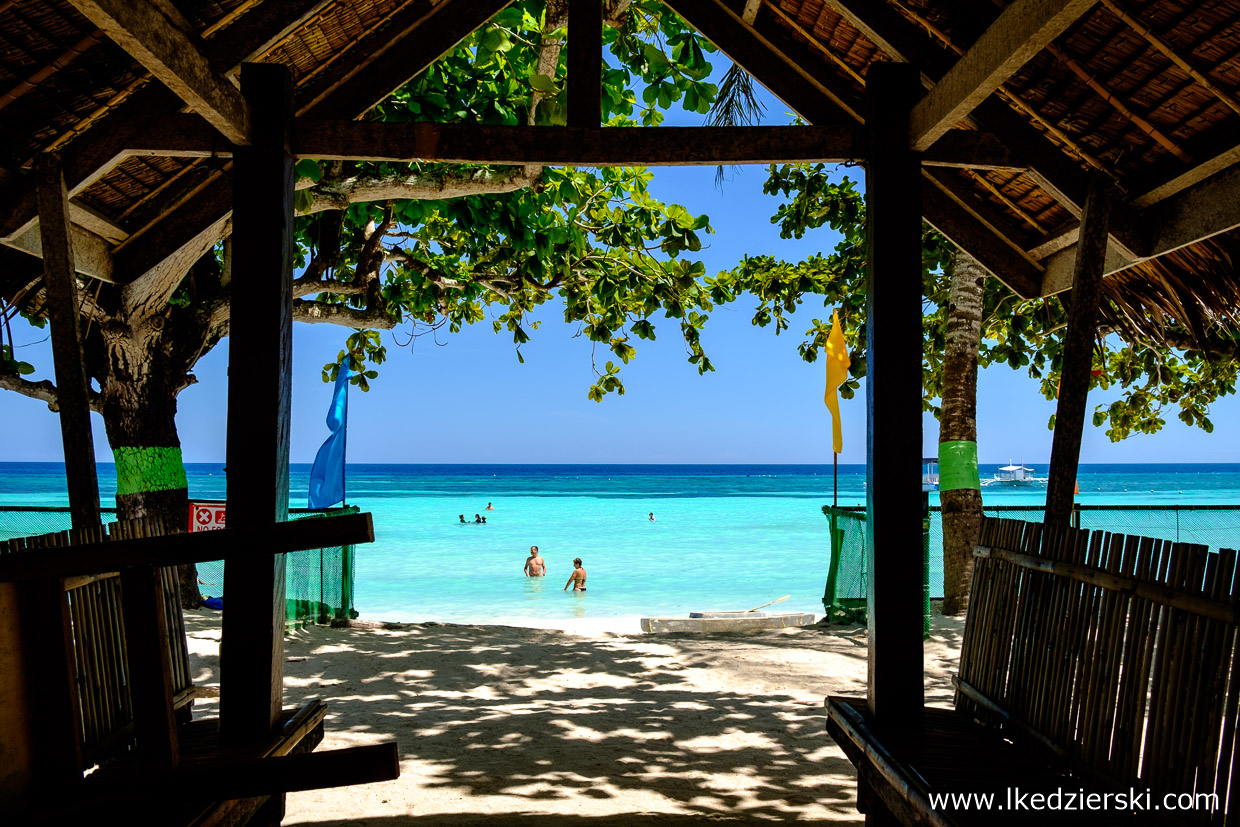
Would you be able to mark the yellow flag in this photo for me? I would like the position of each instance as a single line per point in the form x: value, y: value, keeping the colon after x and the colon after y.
x: 837, y: 373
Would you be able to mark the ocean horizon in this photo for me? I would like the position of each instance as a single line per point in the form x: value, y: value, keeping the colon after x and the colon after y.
x: 726, y: 536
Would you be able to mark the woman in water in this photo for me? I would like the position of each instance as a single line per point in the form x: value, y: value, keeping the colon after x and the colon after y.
x: 578, y: 578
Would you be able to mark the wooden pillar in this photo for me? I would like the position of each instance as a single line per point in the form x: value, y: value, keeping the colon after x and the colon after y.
x: 585, y: 63
x: 150, y: 669
x: 1078, y: 351
x: 259, y: 396
x: 60, y: 276
x: 893, y: 401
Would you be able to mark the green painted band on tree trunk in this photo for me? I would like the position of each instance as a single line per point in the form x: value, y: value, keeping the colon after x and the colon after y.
x: 958, y: 466
x: 139, y: 470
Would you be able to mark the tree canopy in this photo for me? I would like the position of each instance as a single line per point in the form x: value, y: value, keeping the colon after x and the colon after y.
x: 1152, y: 377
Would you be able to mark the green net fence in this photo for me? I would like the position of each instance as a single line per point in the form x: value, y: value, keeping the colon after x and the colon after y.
x: 318, y: 583
x: 1215, y: 526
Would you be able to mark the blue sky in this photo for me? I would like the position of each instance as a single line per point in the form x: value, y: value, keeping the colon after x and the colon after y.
x: 470, y: 401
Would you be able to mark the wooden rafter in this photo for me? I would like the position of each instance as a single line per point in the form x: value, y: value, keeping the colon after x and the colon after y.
x: 1199, y: 212
x: 1118, y: 105
x: 356, y: 86
x: 781, y: 64
x: 1174, y: 56
x: 28, y: 84
x: 174, y: 58
x: 1020, y: 32
x: 968, y: 228
x: 136, y: 110
x: 905, y: 40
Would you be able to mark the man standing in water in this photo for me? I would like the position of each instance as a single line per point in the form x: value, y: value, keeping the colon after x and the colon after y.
x: 535, y: 566
x: 578, y: 578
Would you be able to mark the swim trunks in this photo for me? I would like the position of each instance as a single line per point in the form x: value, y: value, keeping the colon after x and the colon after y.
x: 579, y: 588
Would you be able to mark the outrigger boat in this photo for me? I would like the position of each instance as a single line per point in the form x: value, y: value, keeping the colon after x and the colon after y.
x: 1015, y: 475
x: 747, y: 621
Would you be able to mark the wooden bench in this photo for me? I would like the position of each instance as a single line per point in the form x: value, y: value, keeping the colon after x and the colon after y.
x: 1092, y: 664
x: 108, y: 680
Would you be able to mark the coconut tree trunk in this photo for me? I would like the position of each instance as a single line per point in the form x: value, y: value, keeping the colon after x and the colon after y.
x: 139, y: 413
x: 962, y: 507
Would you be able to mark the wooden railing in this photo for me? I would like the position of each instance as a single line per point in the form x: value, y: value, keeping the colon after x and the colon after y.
x: 1122, y: 652
x: 100, y: 653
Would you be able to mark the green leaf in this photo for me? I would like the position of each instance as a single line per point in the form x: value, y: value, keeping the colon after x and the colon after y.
x: 302, y: 201
x: 542, y: 83
x: 309, y: 169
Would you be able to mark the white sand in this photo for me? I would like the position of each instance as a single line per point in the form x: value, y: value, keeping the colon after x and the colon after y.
x: 596, y: 725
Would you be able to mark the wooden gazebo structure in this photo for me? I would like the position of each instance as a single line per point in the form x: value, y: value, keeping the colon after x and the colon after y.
x: 1066, y: 144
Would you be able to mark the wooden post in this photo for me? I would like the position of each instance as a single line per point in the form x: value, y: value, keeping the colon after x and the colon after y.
x: 259, y: 395
x: 60, y: 275
x: 1078, y: 351
x: 585, y: 63
x: 893, y: 401
x: 150, y: 669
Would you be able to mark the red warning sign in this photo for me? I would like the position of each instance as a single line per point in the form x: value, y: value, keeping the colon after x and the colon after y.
x: 205, y: 516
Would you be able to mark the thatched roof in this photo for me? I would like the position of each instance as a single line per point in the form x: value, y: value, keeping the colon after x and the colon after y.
x: 1146, y: 90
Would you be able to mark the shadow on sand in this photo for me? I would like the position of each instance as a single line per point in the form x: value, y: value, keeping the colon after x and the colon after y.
x: 527, y: 726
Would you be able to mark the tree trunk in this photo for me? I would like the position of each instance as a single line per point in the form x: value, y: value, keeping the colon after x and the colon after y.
x: 962, y: 507
x: 139, y: 412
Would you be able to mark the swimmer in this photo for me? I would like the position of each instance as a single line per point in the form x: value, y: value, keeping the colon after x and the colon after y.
x: 535, y: 566
x: 478, y: 519
x: 578, y: 578
x: 462, y: 518
x: 652, y: 516
x: 484, y: 520
x: 489, y: 507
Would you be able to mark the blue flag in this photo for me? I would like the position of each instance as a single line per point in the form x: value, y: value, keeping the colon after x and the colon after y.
x: 327, y: 475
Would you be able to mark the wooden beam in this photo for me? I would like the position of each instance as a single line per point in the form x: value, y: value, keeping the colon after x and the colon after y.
x: 175, y: 549
x: 92, y: 254
x: 410, y: 42
x: 1204, y: 210
x: 750, y: 14
x: 1023, y: 29
x: 60, y: 276
x: 259, y: 31
x: 782, y: 65
x: 585, y: 63
x: 174, y: 58
x: 1199, y: 212
x: 1078, y: 354
x: 970, y: 149
x: 207, y: 206
x: 149, y: 670
x: 573, y: 146
x: 1055, y: 172
x: 1153, y: 192
x: 87, y: 158
x: 238, y: 778
x: 260, y: 401
x: 187, y: 136
x: 55, y: 710
x: 893, y: 402
x: 969, y: 230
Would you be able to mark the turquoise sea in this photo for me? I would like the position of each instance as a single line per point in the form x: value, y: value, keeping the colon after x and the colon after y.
x: 725, y: 536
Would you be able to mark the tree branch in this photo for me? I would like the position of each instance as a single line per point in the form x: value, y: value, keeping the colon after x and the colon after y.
x: 1214, y: 347
x: 309, y: 286
x: 358, y: 319
x: 339, y: 194
x: 44, y: 391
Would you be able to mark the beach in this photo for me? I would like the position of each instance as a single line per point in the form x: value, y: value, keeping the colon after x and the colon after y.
x: 591, y: 723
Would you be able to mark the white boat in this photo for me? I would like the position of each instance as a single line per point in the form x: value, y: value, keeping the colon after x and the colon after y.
x: 929, y: 473
x: 1012, y: 474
